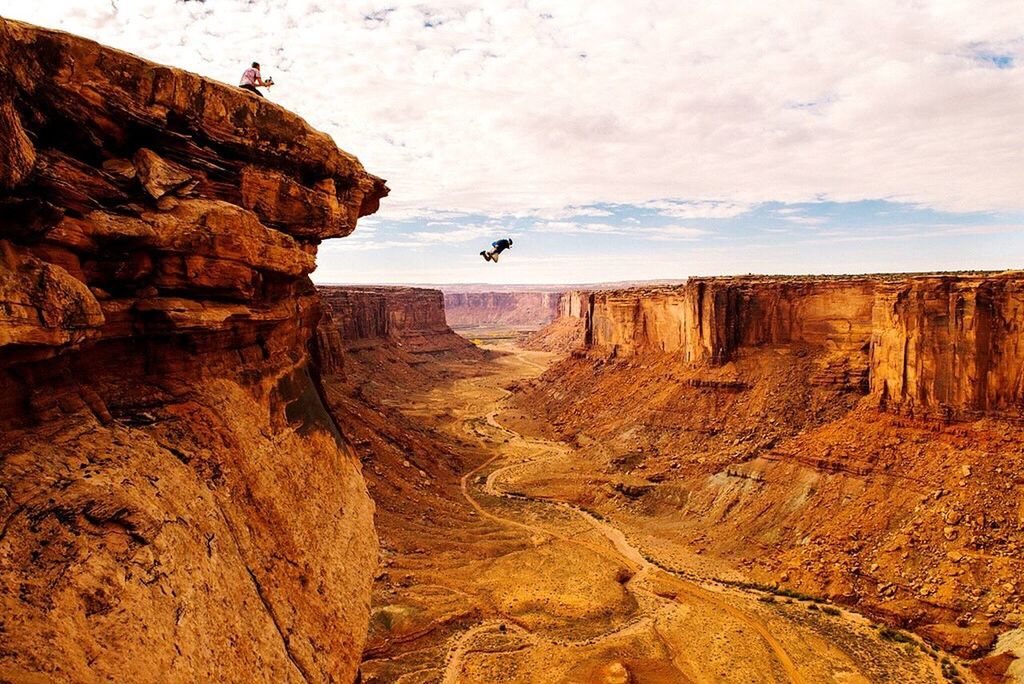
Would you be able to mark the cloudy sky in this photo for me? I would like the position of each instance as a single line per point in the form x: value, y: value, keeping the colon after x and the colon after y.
x: 617, y: 139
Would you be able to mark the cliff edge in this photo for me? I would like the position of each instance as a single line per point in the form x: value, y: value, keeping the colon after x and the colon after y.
x: 411, y: 318
x: 467, y: 307
x: 176, y: 502
x: 937, y: 346
x: 857, y: 438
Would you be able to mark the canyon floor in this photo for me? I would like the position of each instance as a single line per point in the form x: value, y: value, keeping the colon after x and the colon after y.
x: 489, y: 575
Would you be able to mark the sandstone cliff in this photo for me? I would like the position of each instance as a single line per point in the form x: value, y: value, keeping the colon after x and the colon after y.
x: 568, y: 330
x: 932, y: 346
x: 409, y: 317
x: 177, y: 504
x: 950, y: 347
x: 468, y: 307
x: 764, y: 422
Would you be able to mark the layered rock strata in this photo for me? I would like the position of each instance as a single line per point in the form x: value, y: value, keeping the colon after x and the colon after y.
x: 568, y: 331
x: 857, y: 438
x: 409, y: 317
x: 176, y: 502
x: 950, y: 346
x: 943, y: 346
x: 493, y: 308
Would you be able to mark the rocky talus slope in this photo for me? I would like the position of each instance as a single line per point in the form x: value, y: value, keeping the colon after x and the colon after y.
x: 858, y: 438
x: 177, y: 504
x: 394, y: 345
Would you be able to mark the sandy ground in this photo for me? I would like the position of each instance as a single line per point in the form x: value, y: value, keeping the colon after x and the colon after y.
x: 513, y: 588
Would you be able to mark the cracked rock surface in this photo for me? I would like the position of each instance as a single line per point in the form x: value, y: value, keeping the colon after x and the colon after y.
x: 175, y: 502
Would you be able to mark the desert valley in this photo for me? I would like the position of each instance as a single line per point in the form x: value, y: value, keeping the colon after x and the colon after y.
x: 212, y: 469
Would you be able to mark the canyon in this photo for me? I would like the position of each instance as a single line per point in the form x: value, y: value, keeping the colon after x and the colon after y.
x: 853, y: 438
x: 522, y: 307
x: 211, y: 469
x: 406, y: 318
x: 531, y: 531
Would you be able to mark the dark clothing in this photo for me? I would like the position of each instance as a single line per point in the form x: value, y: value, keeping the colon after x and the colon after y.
x: 251, y: 88
x: 501, y: 245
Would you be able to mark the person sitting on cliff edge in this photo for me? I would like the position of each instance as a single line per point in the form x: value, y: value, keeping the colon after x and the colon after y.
x: 497, y: 248
x: 251, y: 78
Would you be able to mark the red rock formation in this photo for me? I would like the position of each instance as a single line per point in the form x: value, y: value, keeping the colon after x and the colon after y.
x: 176, y: 502
x: 710, y: 319
x: 412, y: 318
x: 471, y: 308
x: 568, y: 331
x: 950, y: 346
x: 936, y: 346
x: 743, y: 416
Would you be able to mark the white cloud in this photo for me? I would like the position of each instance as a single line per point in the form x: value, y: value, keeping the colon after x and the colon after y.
x: 672, y: 232
x: 806, y: 220
x: 460, y: 234
x: 561, y: 213
x: 633, y: 231
x: 581, y: 228
x: 903, y: 233
x: 506, y: 107
x: 698, y: 209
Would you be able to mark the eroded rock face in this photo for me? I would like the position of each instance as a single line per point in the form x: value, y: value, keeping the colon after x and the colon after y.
x: 469, y: 308
x: 568, y: 331
x: 710, y: 319
x: 950, y: 347
x: 411, y: 317
x: 177, y: 503
x: 764, y: 423
x: 931, y: 346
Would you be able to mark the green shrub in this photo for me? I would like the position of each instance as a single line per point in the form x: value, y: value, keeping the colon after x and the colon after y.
x: 894, y: 635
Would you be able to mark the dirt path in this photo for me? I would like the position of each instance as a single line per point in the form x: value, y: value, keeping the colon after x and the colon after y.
x: 704, y: 630
x: 625, y: 551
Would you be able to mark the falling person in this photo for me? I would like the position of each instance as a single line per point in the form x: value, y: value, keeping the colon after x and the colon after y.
x: 497, y: 248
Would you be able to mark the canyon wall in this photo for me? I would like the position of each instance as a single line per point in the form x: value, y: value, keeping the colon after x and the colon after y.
x: 500, y: 308
x: 950, y: 346
x: 930, y: 346
x: 567, y: 331
x: 574, y: 304
x: 857, y: 438
x: 413, y: 318
x: 710, y: 319
x: 176, y: 502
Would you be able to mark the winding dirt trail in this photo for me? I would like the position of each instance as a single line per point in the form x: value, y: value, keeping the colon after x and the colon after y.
x: 623, y: 550
x: 680, y: 629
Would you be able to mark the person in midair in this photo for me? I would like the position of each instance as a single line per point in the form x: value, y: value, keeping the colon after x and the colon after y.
x: 497, y: 247
x: 251, y: 78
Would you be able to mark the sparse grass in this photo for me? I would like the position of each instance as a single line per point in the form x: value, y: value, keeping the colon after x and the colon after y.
x: 950, y: 671
x: 831, y: 610
x: 766, y: 599
x: 778, y: 591
x: 895, y: 635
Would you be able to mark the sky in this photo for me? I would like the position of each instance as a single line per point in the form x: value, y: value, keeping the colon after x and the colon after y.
x: 633, y: 140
